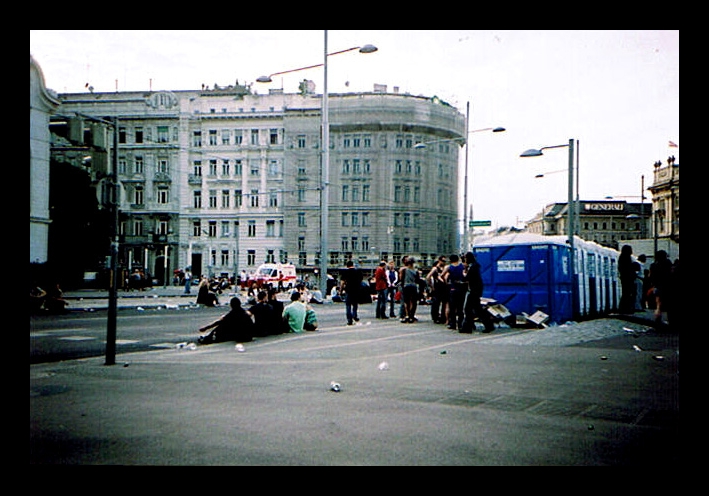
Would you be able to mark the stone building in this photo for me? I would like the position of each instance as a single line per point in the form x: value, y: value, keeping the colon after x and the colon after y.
x: 43, y: 103
x: 223, y: 179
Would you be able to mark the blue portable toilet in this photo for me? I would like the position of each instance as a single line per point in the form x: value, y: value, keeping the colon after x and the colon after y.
x: 528, y: 272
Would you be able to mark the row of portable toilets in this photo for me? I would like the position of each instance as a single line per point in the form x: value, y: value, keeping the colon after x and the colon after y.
x: 529, y: 273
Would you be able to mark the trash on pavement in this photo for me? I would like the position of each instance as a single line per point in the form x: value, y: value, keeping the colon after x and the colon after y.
x: 335, y: 386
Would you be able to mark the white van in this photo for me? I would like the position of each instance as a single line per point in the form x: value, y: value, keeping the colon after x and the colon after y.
x: 268, y: 274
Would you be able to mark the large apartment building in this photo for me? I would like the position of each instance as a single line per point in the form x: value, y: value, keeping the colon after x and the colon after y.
x: 223, y: 179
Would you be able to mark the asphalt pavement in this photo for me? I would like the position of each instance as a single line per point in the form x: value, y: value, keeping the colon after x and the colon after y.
x: 603, y: 392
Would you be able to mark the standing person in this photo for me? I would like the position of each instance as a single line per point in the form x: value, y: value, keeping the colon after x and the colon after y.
x: 294, y: 313
x: 233, y: 326
x: 410, y: 291
x: 438, y: 291
x: 673, y: 307
x: 660, y: 274
x: 400, y: 292
x: 243, y: 279
x: 263, y: 315
x: 626, y: 273
x: 381, y: 285
x: 392, y: 284
x: 351, y: 286
x: 454, y: 274
x: 188, y: 280
x: 638, y: 302
x: 472, y: 306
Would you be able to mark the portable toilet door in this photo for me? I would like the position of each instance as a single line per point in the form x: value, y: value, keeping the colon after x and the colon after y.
x: 582, y: 274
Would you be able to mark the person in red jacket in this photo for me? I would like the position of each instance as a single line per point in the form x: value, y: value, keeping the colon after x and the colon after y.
x: 381, y: 284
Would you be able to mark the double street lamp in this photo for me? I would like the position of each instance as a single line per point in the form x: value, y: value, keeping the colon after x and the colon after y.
x: 325, y: 165
x: 571, y: 206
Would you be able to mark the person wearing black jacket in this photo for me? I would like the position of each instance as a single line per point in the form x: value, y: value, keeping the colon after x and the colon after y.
x: 473, y: 307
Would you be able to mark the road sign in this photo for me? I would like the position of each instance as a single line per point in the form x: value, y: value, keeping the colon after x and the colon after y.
x: 479, y: 223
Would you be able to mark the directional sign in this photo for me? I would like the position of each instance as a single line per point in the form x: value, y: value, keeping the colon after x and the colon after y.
x: 479, y: 223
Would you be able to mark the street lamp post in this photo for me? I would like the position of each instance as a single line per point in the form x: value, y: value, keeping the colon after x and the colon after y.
x: 325, y: 165
x: 570, y: 208
x: 464, y: 141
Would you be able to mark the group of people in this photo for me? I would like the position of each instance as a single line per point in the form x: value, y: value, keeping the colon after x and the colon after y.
x: 49, y: 301
x: 654, y: 288
x: 266, y: 316
x: 454, y: 286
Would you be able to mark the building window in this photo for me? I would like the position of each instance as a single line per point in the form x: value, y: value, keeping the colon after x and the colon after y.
x: 270, y: 228
x: 274, y: 136
x: 254, y: 166
x: 301, y: 141
x: 197, y: 138
x: 225, y: 229
x: 197, y: 199
x: 225, y: 198
x: 163, y: 166
x: 197, y: 228
x: 345, y: 193
x: 254, y: 136
x: 212, y: 198
x: 238, y: 198
x: 251, y: 233
x: 213, y: 167
x: 138, y: 134
x: 251, y: 257
x: 197, y: 168
x: 162, y: 227
x: 345, y: 167
x: 163, y: 196
x: 225, y: 257
x: 226, y: 136
x: 273, y: 199
x: 163, y: 134
x: 254, y: 198
x: 225, y: 167
x: 138, y: 165
x: 138, y: 227
x: 238, y: 167
x: 122, y: 165
x: 273, y: 169
x: 212, y: 229
x: 301, y: 219
x: 212, y: 137
x: 301, y: 194
x: 238, y: 138
x: 121, y: 135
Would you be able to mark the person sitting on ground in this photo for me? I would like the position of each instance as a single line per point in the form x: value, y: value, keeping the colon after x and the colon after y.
x: 294, y: 313
x: 263, y: 315
x: 204, y: 295
x: 55, y: 302
x: 233, y: 326
x: 279, y: 326
x: 37, y: 297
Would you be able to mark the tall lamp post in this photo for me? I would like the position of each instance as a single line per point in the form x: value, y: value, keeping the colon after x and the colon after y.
x: 464, y: 141
x: 325, y: 165
x: 570, y: 208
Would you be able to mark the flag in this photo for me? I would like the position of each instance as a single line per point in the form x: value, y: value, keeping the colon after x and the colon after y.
x: 672, y: 144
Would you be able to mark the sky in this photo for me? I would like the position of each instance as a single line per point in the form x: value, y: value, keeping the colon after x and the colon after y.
x: 616, y: 92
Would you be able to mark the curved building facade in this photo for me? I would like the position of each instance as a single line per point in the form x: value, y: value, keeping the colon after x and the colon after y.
x: 222, y: 180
